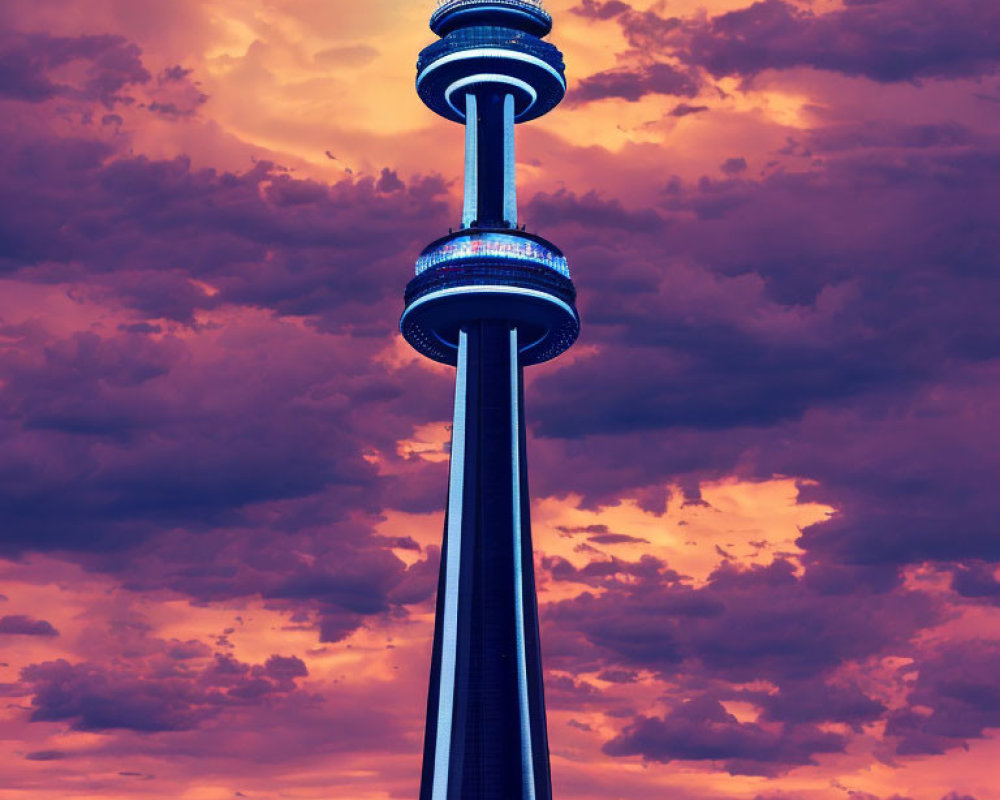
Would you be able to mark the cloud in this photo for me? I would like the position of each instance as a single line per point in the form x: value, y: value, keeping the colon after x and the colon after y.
x: 955, y: 698
x: 143, y: 230
x: 21, y: 625
x: 829, y: 333
x: 702, y: 730
x: 817, y: 702
x: 95, y: 697
x: 976, y: 580
x: 761, y: 623
x: 107, y: 64
x: 594, y: 9
x: 46, y: 755
x: 634, y: 84
x: 734, y: 166
x: 684, y: 110
x: 885, y: 42
x: 616, y: 538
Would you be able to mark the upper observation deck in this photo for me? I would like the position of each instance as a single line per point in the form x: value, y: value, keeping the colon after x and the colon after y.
x: 526, y: 15
x: 530, y: 69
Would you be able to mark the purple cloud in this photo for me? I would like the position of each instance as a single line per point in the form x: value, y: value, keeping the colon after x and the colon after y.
x: 21, y: 625
x: 744, y: 625
x: 27, y: 61
x: 596, y: 9
x: 702, y: 730
x: 976, y: 580
x: 634, y: 84
x: 98, y: 698
x: 886, y: 42
x: 960, y: 685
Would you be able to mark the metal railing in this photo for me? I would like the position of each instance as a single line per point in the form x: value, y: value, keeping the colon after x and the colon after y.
x: 532, y: 4
x: 531, y: 7
x: 504, y: 38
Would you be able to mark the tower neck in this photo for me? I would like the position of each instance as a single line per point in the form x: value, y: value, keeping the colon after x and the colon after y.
x: 490, y: 173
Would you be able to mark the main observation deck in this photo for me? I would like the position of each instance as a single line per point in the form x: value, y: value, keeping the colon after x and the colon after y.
x: 483, y: 273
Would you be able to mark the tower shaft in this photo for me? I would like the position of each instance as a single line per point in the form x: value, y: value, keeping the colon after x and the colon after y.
x: 490, y: 299
x: 486, y: 737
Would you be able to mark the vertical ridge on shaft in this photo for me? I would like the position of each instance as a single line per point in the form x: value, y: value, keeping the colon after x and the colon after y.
x: 469, y: 210
x: 453, y: 543
x: 524, y: 709
x: 509, y: 163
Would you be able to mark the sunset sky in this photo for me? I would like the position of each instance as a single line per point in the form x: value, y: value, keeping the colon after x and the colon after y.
x: 766, y: 481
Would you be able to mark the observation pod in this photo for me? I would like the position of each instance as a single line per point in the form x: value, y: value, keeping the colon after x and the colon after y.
x: 490, y: 299
x: 491, y: 44
x: 482, y: 273
x: 526, y: 15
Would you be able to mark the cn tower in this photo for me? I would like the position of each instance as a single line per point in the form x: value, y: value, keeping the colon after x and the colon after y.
x: 490, y: 299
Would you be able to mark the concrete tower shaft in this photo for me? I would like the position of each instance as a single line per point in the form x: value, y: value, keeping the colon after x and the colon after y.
x: 490, y: 299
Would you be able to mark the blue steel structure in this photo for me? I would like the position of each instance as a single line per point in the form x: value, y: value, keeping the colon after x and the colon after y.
x: 489, y: 299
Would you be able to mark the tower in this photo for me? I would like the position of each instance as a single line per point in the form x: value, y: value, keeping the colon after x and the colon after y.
x: 489, y: 299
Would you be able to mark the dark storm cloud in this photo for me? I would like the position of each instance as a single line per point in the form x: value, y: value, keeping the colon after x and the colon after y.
x: 882, y: 134
x: 886, y: 42
x: 633, y: 85
x: 46, y: 755
x: 182, y: 457
x: 763, y: 623
x: 148, y: 237
x: 818, y: 702
x: 21, y: 625
x: 144, y: 229
x: 616, y: 538
x: 94, y: 697
x: 351, y: 576
x: 27, y: 61
x: 960, y: 686
x: 702, y: 730
x: 835, y: 320
x: 794, y: 633
x: 976, y: 580
x: 684, y: 109
x: 164, y: 461
x: 734, y: 166
x: 595, y: 9
x: 599, y: 572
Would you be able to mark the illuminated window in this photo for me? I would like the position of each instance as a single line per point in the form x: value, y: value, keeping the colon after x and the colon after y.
x: 493, y: 245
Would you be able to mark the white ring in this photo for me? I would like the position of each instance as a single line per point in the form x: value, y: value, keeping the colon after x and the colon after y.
x: 490, y: 77
x: 491, y: 52
x: 486, y: 289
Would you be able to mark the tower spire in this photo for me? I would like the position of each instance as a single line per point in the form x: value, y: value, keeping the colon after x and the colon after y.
x: 489, y: 299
